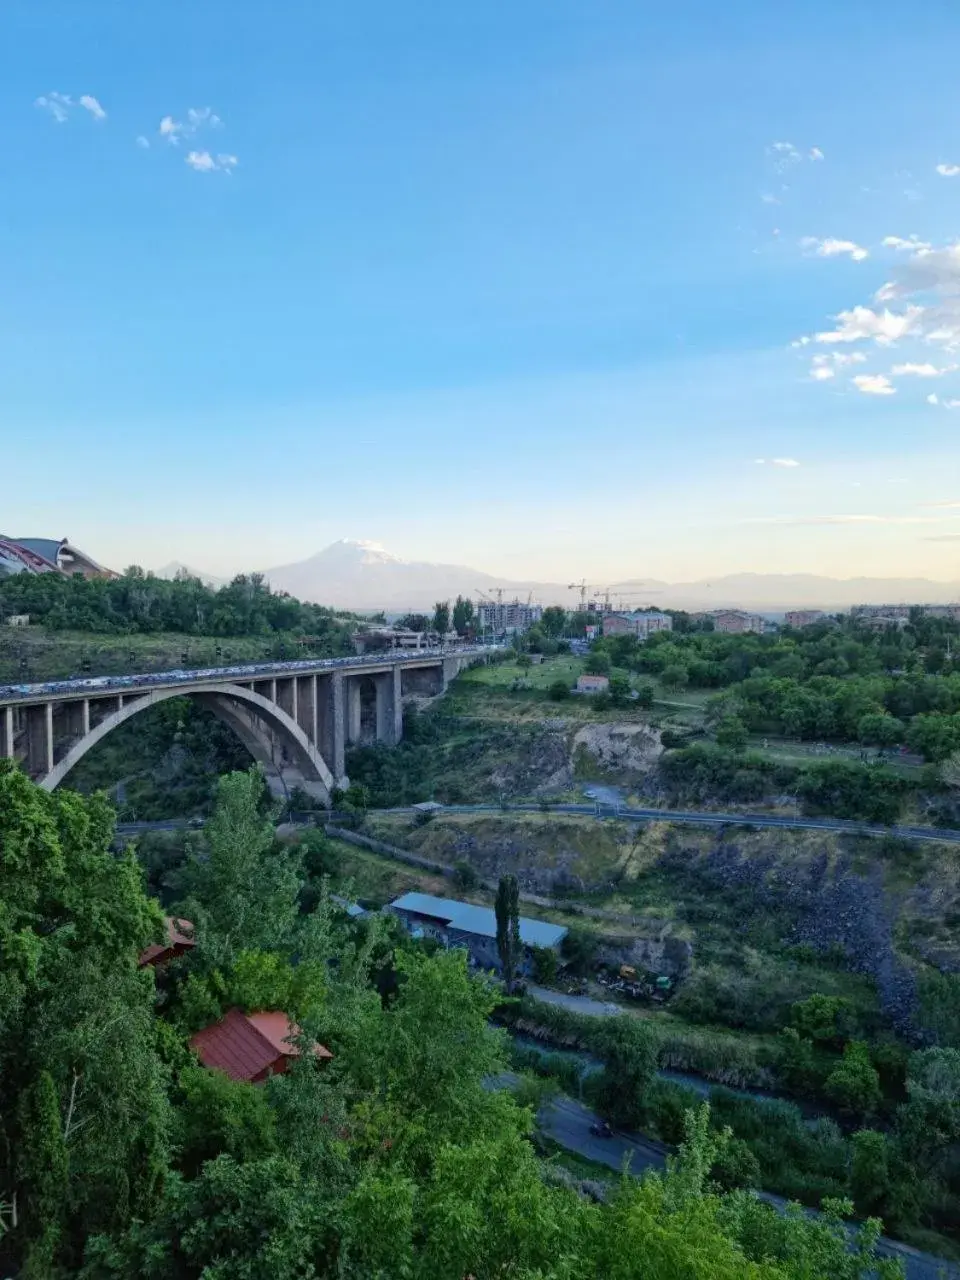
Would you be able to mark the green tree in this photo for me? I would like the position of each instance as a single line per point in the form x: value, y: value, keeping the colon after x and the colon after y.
x: 509, y: 947
x: 630, y: 1057
x: 242, y: 889
x: 854, y: 1085
x: 826, y: 1020
x: 553, y: 621
x: 220, y: 1116
x: 870, y: 1172
x: 619, y: 690
x: 559, y: 691
x: 462, y: 616
x: 441, y: 617
x: 675, y: 677
x: 877, y: 728
x: 597, y: 663
x: 732, y: 733
x: 84, y: 1116
x: 43, y: 1184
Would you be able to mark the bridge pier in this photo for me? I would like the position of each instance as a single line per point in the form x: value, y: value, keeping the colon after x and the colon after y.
x: 296, y: 722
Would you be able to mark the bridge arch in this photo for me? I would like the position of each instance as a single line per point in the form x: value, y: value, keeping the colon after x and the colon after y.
x: 272, y: 737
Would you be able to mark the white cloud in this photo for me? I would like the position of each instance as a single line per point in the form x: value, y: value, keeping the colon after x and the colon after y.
x: 948, y: 170
x: 204, y: 162
x: 60, y: 105
x: 933, y: 398
x: 832, y: 247
x: 918, y: 370
x: 815, y: 153
x: 197, y: 118
x: 89, y: 103
x: 820, y: 373
x: 143, y: 142
x: 883, y: 326
x: 776, y: 462
x: 911, y: 244
x: 57, y: 104
x: 769, y: 199
x: 874, y: 384
x: 839, y: 358
x: 952, y: 404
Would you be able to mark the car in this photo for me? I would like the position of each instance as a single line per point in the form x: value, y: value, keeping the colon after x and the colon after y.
x: 600, y: 1129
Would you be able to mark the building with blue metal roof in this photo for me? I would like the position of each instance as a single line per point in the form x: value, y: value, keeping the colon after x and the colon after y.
x: 463, y: 924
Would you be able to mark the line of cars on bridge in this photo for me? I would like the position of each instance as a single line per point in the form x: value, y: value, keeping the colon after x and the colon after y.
x: 250, y: 671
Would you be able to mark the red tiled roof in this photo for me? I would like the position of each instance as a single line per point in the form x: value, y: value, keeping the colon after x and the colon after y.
x: 176, y: 942
x: 248, y: 1046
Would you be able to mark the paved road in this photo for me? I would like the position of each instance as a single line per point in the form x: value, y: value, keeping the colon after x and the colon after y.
x: 568, y: 1123
x: 576, y: 1004
x: 704, y: 818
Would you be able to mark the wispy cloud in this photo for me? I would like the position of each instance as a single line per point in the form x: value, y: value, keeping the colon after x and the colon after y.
x: 825, y: 367
x: 815, y: 154
x: 933, y: 398
x: 60, y: 105
x: 948, y: 170
x: 89, y: 103
x: 196, y: 119
x: 920, y: 370
x: 943, y: 537
x: 56, y: 104
x: 942, y: 506
x: 874, y: 384
x: 776, y: 462
x: 204, y: 162
x: 832, y: 248
x: 143, y: 142
x: 910, y: 244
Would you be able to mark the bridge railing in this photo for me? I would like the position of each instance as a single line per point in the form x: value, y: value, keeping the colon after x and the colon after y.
x: 90, y: 687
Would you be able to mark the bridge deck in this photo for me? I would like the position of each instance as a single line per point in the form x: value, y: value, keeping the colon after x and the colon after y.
x: 64, y: 690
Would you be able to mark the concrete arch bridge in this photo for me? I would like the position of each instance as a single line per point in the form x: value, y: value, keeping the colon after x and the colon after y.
x: 295, y: 718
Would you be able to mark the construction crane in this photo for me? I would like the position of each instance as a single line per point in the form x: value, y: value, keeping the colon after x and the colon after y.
x: 582, y: 587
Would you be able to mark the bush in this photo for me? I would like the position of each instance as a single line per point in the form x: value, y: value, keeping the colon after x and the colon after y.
x: 736, y: 1166
x: 732, y: 733
x: 559, y: 691
x: 464, y: 877
x: 854, y: 1085
x: 579, y: 950
x: 545, y: 965
x: 645, y: 693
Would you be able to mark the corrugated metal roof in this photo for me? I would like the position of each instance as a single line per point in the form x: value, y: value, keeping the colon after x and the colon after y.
x: 244, y: 1046
x: 479, y: 920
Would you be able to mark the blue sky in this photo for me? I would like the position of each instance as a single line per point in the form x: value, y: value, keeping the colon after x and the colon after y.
x: 529, y: 286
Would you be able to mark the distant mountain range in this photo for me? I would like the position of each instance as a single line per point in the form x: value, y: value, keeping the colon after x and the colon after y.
x: 363, y: 576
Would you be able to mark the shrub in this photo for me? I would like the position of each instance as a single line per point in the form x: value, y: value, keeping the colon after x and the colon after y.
x: 736, y: 1166
x: 545, y: 965
x: 559, y: 691
x: 854, y: 1085
x: 579, y: 950
x: 464, y: 877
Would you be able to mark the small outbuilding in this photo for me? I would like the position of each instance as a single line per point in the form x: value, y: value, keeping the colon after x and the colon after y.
x: 593, y: 684
x: 251, y: 1046
x: 462, y: 924
x: 178, y: 940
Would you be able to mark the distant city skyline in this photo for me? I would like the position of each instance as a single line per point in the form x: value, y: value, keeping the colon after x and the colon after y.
x: 570, y: 290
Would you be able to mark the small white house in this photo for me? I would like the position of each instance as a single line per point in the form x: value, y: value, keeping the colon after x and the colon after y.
x: 593, y: 684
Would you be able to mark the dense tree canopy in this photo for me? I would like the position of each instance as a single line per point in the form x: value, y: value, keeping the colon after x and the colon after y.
x: 142, y: 603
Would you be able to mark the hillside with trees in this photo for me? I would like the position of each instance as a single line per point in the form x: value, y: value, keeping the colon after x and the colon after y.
x: 121, y: 1157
